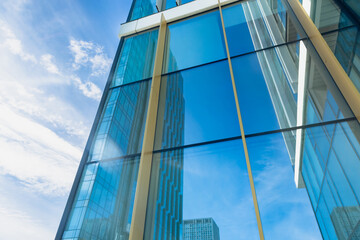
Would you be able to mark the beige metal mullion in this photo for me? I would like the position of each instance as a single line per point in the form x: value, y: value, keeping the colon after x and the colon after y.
x: 143, y: 181
x: 248, y: 165
x: 342, y: 80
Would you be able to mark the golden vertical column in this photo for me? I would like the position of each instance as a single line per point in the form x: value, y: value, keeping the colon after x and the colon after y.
x: 248, y: 165
x: 142, y: 187
x: 342, y: 80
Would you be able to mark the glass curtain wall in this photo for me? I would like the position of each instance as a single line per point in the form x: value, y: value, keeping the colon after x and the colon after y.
x: 191, y: 177
x: 102, y: 208
x: 340, y: 29
x: 199, y: 168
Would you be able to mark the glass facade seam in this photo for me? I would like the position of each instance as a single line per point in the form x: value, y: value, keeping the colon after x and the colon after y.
x: 251, y: 180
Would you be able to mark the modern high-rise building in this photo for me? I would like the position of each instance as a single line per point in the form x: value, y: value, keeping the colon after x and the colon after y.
x: 245, y: 111
x: 202, y: 228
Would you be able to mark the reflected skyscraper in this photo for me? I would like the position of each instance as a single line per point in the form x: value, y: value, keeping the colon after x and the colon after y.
x: 346, y: 222
x: 197, y: 87
x: 202, y: 228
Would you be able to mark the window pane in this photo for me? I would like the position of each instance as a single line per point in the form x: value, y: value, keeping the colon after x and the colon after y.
x: 284, y: 209
x: 193, y: 187
x: 105, y: 211
x: 330, y: 167
x: 258, y: 24
x: 121, y: 127
x: 268, y: 81
x: 194, y: 41
x: 328, y: 16
x: 142, y: 8
x: 196, y: 105
x: 346, y: 46
x: 136, y: 60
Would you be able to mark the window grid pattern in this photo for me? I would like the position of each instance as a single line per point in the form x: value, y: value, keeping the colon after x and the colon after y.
x: 336, y: 206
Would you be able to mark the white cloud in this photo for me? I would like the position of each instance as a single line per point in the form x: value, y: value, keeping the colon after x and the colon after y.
x: 100, y: 64
x: 35, y: 155
x: 47, y: 63
x: 80, y: 50
x: 44, y: 107
x: 11, y: 42
x: 89, y: 54
x: 13, y: 220
x: 89, y: 89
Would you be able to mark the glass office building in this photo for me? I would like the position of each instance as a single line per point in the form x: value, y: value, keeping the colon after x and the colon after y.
x: 243, y: 112
x: 202, y: 228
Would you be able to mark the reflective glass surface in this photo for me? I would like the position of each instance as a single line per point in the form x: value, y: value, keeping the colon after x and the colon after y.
x: 142, y: 8
x: 345, y: 44
x: 268, y: 82
x: 353, y: 5
x: 103, y: 204
x: 285, y: 210
x: 196, y: 105
x: 121, y: 127
x: 194, y: 41
x: 209, y: 181
x: 257, y: 24
x: 136, y: 60
x: 327, y: 15
x: 331, y: 166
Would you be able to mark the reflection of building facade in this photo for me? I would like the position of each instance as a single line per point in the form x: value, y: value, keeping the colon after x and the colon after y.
x: 346, y: 222
x: 105, y: 201
x: 166, y: 195
x: 320, y: 100
x: 202, y: 228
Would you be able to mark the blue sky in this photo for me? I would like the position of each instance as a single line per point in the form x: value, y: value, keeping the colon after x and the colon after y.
x: 55, y: 58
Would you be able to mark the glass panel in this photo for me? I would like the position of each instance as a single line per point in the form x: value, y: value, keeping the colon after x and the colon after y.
x: 136, y: 60
x: 335, y: 164
x: 194, y: 41
x: 346, y: 46
x: 196, y: 105
x: 142, y: 8
x: 254, y: 25
x: 327, y: 15
x: 121, y: 127
x: 284, y: 209
x: 193, y: 189
x: 103, y: 205
x: 353, y: 5
x: 268, y: 81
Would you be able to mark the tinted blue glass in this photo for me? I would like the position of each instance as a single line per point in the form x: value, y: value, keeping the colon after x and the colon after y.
x: 196, y: 105
x: 334, y: 194
x: 210, y: 181
x: 170, y: 4
x: 194, y: 41
x: 103, y: 205
x: 284, y: 209
x: 136, y: 60
x: 121, y: 127
x: 257, y: 24
x: 142, y: 8
x: 324, y: 211
x: 253, y: 93
x: 345, y: 44
x: 328, y: 16
x: 347, y: 148
x: 354, y: 6
x: 267, y: 84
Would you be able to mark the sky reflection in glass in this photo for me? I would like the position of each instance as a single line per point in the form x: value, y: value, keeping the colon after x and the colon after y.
x: 193, y: 42
x: 208, y: 106
x: 285, y: 210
